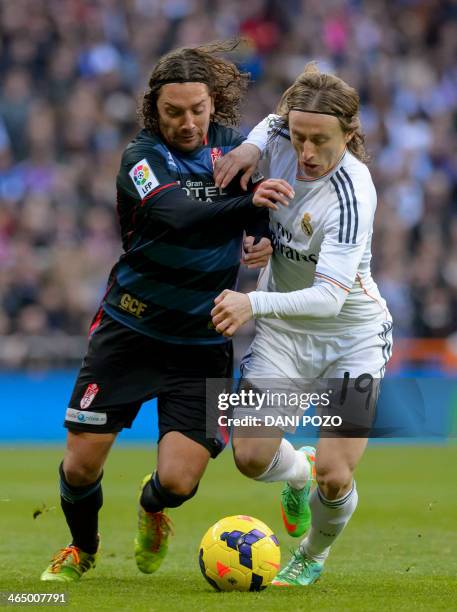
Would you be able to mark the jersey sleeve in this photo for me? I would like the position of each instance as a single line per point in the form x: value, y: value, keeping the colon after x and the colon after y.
x: 319, y: 301
x: 258, y: 224
x: 260, y: 134
x: 261, y: 137
x: 160, y: 200
x: 257, y: 220
x: 347, y: 231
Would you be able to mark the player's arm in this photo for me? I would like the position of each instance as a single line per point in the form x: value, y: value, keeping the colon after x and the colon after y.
x: 233, y: 309
x: 257, y: 248
x: 161, y: 201
x: 245, y: 157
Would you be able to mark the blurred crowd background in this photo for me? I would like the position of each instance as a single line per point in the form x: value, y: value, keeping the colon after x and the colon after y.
x: 72, y: 73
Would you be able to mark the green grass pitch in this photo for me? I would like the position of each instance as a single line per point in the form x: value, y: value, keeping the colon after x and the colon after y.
x: 398, y: 553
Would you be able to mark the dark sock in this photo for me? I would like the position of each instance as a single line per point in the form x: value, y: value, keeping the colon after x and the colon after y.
x: 155, y: 497
x: 80, y: 506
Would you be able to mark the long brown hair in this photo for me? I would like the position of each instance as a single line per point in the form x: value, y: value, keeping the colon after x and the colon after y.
x: 317, y: 91
x: 226, y: 84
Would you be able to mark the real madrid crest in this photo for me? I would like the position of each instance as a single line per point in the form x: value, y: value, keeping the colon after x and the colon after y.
x: 306, y: 224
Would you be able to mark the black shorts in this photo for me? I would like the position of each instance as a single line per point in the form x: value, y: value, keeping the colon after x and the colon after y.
x: 122, y: 369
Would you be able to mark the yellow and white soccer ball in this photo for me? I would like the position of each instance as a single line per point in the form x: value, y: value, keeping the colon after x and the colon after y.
x: 239, y: 553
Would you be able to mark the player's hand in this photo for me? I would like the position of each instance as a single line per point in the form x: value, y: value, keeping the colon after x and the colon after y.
x: 244, y: 157
x: 272, y: 192
x: 256, y: 255
x: 232, y: 310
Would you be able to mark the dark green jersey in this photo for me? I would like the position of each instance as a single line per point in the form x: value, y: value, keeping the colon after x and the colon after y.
x: 181, y: 235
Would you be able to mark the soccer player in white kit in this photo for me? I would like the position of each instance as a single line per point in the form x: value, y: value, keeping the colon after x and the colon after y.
x: 318, y: 312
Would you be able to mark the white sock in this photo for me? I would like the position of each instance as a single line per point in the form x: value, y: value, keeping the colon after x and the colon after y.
x: 328, y: 519
x: 288, y: 464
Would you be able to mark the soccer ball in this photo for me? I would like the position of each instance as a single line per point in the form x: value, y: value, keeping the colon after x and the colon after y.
x: 239, y: 553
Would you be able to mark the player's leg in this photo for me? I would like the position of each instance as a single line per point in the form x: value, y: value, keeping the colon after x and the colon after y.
x: 181, y: 464
x: 105, y: 399
x: 332, y: 504
x: 187, y: 440
x: 262, y: 452
x: 81, y: 499
x: 335, y: 498
x: 269, y: 459
x: 274, y: 459
x: 363, y: 359
x: 362, y: 356
x: 81, y: 485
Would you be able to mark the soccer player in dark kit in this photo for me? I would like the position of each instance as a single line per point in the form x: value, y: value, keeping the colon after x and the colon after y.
x: 152, y: 337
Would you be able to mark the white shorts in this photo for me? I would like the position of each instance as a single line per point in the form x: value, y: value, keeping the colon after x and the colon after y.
x: 360, y: 350
x: 345, y: 369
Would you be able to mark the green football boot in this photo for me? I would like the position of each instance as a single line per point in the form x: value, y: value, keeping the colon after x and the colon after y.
x: 151, y: 541
x: 295, y: 509
x: 69, y: 564
x: 300, y: 571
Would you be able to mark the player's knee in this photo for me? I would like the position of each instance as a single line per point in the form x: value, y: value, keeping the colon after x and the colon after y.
x: 166, y: 492
x: 183, y: 485
x: 249, y: 462
x: 81, y: 474
x: 334, y: 482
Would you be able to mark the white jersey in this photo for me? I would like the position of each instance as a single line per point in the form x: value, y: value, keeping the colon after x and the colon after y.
x: 322, y: 240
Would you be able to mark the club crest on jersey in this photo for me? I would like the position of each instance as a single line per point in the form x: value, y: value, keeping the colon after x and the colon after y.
x: 306, y: 224
x: 89, y: 396
x: 216, y: 153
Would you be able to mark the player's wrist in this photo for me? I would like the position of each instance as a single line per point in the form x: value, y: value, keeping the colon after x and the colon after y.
x: 253, y: 295
x: 255, y: 146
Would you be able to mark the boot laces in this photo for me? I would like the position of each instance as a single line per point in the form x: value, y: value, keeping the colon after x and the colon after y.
x: 60, y: 558
x: 161, y: 525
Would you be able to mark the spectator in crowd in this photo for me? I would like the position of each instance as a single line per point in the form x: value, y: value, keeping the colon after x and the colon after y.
x: 69, y: 72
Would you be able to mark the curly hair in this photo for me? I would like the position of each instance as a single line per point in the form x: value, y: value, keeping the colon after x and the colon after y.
x: 226, y: 84
x: 326, y: 93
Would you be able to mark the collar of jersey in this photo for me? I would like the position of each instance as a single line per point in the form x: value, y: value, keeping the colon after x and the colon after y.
x: 327, y: 175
